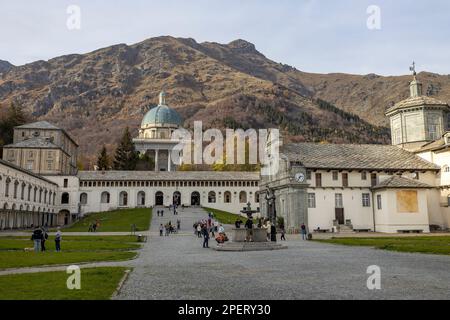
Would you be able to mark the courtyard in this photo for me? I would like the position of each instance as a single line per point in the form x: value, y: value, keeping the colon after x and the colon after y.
x: 177, y: 267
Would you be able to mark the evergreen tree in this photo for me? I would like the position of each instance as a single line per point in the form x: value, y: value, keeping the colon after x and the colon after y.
x: 14, y: 117
x: 126, y: 156
x: 103, y: 162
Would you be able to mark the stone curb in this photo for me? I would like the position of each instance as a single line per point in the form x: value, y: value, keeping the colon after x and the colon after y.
x: 121, y: 283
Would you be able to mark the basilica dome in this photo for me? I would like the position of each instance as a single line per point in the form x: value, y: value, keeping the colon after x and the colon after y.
x: 161, y: 115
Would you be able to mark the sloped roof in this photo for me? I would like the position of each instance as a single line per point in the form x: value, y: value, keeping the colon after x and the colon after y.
x: 168, y: 176
x: 417, y: 102
x: 395, y: 182
x: 44, y: 125
x: 355, y: 157
x: 39, y: 125
x: 39, y: 143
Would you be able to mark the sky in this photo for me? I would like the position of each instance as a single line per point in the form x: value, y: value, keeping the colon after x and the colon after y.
x: 321, y: 36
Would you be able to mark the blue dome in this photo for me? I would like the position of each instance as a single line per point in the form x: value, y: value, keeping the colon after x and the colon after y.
x: 162, y: 114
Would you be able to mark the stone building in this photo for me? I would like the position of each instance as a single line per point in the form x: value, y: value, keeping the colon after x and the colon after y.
x: 400, y: 188
x: 26, y: 199
x: 330, y: 186
x: 43, y: 149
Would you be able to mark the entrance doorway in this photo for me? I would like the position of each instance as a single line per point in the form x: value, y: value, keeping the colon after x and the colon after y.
x: 340, y: 218
x: 195, y: 199
x: 159, y: 199
x: 177, y: 198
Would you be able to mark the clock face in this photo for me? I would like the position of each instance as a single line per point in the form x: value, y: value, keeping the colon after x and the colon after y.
x: 300, y: 177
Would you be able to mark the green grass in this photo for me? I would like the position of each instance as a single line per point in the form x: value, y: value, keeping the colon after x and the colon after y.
x: 74, y: 250
x: 421, y: 244
x: 70, y: 243
x: 226, y: 217
x: 115, y: 221
x: 96, y: 284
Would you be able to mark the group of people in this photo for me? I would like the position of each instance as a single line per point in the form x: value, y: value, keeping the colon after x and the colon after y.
x: 168, y: 228
x: 40, y: 236
x: 208, y: 228
x: 160, y: 213
x: 94, y: 226
x: 174, y: 207
x: 270, y: 229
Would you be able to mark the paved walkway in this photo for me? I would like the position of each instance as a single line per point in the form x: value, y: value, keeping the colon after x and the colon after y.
x: 178, y: 267
x: 64, y: 267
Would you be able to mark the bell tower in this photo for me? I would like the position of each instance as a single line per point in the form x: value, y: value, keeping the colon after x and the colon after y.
x: 419, y: 119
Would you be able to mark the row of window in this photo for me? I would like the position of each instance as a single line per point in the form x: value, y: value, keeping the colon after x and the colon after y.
x: 168, y: 183
x: 335, y: 177
x: 338, y: 200
x: 123, y: 197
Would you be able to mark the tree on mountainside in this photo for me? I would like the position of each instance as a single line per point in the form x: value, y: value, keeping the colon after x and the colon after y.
x: 126, y: 156
x: 103, y: 162
x: 14, y: 117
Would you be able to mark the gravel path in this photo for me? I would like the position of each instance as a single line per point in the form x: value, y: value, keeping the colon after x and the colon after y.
x: 178, y: 267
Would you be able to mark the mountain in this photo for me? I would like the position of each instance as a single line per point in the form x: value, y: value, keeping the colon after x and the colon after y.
x: 95, y: 95
x: 5, y: 66
x: 368, y: 96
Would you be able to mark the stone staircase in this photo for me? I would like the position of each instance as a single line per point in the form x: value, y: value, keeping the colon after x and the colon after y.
x: 344, y: 229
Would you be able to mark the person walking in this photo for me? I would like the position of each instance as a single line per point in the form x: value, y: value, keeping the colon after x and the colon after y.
x: 303, y: 228
x: 268, y: 229
x: 161, y: 230
x: 167, y: 230
x: 283, y: 233
x: 37, y: 237
x: 58, y: 238
x: 43, y: 239
x: 249, y: 228
x: 205, y: 233
x: 199, y: 230
x: 178, y: 225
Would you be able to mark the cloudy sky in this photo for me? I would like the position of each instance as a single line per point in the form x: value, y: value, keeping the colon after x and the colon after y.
x: 313, y: 35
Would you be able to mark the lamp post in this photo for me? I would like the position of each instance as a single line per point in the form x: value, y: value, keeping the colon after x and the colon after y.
x: 272, y: 213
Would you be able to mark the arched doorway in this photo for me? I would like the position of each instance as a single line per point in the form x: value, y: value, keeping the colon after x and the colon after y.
x: 123, y: 199
x: 227, y: 197
x: 177, y: 198
x: 195, y: 198
x: 141, y: 198
x: 63, y: 217
x: 211, y: 197
x: 159, y: 199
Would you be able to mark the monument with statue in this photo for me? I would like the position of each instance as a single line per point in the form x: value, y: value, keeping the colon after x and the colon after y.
x: 251, y: 238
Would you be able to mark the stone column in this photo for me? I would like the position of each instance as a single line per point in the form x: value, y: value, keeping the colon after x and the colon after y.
x: 169, y: 161
x: 156, y: 160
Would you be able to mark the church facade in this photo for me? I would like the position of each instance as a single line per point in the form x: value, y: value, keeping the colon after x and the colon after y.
x: 404, y: 187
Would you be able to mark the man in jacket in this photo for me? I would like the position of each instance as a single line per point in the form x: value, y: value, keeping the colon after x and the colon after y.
x: 205, y: 233
x: 37, y: 238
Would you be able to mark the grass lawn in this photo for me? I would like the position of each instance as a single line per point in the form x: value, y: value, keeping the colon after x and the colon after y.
x: 115, y: 221
x: 225, y: 217
x: 96, y: 284
x: 421, y: 244
x: 74, y: 250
